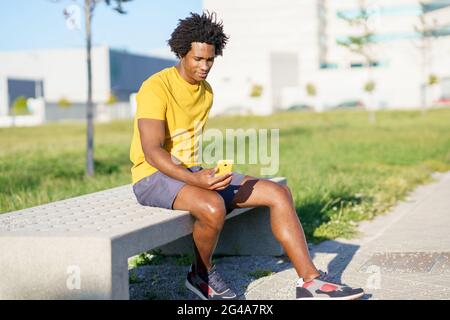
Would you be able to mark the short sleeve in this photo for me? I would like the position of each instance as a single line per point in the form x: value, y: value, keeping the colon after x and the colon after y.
x: 151, y: 100
x: 208, y: 87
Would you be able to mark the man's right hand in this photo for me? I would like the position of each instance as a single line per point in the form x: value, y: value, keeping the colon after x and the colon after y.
x: 205, y: 179
x: 152, y: 134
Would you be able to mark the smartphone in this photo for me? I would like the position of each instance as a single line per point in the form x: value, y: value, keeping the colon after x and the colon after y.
x: 225, y: 166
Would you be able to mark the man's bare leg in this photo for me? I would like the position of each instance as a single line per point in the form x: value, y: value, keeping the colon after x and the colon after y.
x: 209, y: 211
x: 285, y: 223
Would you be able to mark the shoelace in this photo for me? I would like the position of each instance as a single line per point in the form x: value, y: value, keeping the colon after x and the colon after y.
x: 216, y: 281
x: 325, y: 276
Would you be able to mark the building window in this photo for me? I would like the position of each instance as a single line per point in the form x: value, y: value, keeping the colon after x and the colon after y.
x: 328, y: 65
x: 356, y: 65
x: 375, y: 64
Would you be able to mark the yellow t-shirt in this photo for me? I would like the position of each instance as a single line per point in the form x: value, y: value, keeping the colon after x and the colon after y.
x: 184, y: 107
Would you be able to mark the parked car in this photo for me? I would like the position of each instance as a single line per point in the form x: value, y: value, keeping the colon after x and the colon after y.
x: 443, y: 102
x: 350, y: 104
x: 300, y: 106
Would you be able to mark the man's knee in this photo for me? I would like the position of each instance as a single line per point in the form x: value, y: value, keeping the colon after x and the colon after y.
x: 287, y: 189
x: 279, y: 194
x: 213, y: 212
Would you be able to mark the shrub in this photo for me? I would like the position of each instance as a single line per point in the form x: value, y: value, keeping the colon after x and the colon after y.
x: 64, y: 103
x: 112, y: 99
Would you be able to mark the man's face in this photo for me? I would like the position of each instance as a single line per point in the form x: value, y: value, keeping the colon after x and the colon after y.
x: 198, y: 61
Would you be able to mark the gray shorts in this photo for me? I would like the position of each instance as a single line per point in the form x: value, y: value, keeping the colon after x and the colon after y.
x: 160, y: 190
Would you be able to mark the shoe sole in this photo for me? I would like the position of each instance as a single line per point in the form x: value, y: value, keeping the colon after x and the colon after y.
x: 198, y: 292
x: 353, y: 297
x: 195, y: 290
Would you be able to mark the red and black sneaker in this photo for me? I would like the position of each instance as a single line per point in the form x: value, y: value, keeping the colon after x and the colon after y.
x: 209, y: 285
x: 322, y: 288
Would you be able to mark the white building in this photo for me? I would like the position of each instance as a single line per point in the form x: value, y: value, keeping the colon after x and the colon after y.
x: 61, y: 74
x: 285, y: 45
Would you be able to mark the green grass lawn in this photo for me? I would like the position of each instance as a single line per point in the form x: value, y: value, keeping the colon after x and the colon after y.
x: 341, y: 169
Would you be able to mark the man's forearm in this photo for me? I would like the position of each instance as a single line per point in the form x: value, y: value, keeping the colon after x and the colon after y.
x: 162, y: 160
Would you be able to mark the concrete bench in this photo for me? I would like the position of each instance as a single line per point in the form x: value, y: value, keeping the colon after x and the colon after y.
x: 79, y: 248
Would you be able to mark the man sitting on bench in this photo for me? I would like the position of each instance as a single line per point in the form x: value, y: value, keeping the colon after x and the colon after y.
x: 165, y: 174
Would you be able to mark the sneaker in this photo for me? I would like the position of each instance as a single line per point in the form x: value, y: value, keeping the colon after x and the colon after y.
x: 322, y: 288
x: 209, y: 286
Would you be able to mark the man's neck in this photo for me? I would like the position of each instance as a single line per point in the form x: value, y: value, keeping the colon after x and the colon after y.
x: 184, y: 75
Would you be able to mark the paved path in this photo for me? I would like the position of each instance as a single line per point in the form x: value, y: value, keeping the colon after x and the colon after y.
x: 404, y: 254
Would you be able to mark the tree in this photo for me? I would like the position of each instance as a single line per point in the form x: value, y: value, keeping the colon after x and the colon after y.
x: 256, y: 91
x: 311, y: 91
x: 426, y: 30
x: 369, y: 87
x: 361, y: 44
x: 89, y: 8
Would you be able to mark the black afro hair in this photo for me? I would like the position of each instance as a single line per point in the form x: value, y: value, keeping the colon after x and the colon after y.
x: 198, y: 28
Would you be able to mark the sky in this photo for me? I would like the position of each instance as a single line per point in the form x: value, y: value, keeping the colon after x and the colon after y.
x: 33, y: 24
